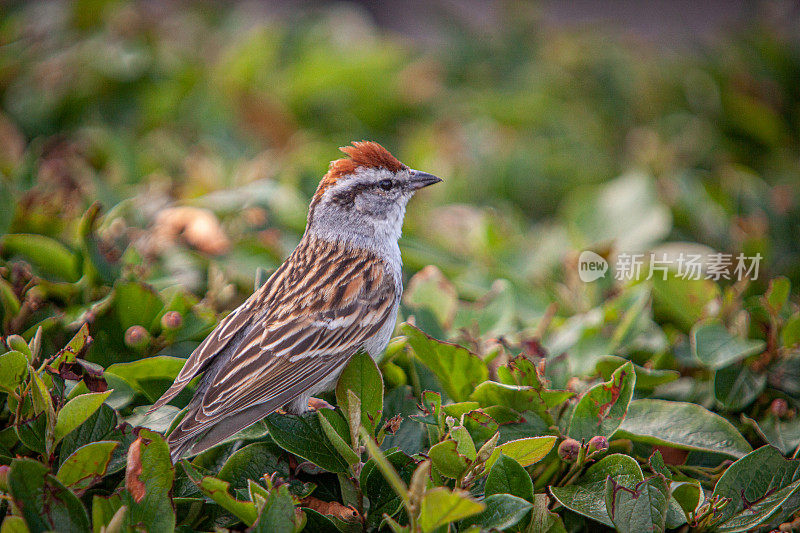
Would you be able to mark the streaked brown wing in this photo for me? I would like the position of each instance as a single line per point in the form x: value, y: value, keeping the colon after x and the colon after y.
x: 220, y: 338
x: 319, y: 314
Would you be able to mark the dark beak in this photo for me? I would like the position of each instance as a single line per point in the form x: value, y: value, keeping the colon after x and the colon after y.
x: 419, y: 179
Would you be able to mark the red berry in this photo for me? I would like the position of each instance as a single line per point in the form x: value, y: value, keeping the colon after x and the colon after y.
x: 136, y: 337
x: 171, y: 320
x: 568, y: 450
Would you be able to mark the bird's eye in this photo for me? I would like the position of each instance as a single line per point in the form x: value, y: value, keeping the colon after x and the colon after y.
x: 385, y: 184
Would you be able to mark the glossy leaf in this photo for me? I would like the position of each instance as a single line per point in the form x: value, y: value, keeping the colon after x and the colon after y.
x: 277, y: 514
x: 45, y: 503
x: 757, y: 485
x: 86, y: 465
x: 737, y: 386
x: 361, y: 375
x: 441, y: 506
x: 457, y: 369
x: 77, y: 411
x: 587, y: 495
x: 681, y: 425
x: 13, y: 370
x: 641, y: 508
x: 382, y: 498
x: 502, y: 511
x: 303, y: 435
x: 148, y: 483
x: 447, y: 460
x: 525, y: 451
x: 507, y: 476
x: 602, y: 409
x: 716, y: 348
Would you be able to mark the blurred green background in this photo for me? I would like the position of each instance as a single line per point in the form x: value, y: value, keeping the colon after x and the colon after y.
x: 157, y: 158
x: 552, y: 137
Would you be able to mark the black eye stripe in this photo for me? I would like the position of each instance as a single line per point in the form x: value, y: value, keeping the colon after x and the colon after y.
x: 386, y: 184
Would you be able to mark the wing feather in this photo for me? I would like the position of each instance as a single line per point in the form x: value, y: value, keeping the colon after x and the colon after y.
x: 295, y: 334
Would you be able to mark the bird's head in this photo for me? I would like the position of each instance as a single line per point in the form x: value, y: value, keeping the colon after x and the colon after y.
x: 364, y: 195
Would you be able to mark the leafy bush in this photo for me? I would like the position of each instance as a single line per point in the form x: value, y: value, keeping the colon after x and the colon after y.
x: 514, y: 396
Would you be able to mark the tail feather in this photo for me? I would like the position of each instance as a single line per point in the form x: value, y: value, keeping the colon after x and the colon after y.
x: 182, y: 442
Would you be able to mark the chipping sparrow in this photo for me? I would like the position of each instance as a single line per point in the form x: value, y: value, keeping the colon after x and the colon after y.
x: 336, y: 294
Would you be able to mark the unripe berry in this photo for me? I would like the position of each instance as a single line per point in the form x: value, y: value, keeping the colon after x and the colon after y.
x: 171, y: 320
x: 136, y: 337
x: 779, y: 407
x: 597, y: 444
x: 568, y: 450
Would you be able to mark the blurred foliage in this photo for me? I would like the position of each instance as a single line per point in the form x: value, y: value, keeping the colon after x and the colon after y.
x: 155, y: 160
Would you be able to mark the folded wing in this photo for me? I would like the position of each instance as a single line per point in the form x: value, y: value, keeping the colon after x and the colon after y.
x: 300, y: 328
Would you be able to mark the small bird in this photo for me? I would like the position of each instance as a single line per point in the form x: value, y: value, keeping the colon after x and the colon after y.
x: 337, y: 293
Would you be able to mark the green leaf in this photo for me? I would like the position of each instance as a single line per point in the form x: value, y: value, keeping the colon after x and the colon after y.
x: 97, y: 427
x: 790, y: 334
x: 335, y: 438
x: 646, y: 378
x: 524, y: 451
x: 459, y: 371
x: 543, y: 520
x: 151, y: 376
x: 602, y: 409
x: 86, y: 465
x: 587, y: 495
x: 303, y: 435
x: 480, y: 425
x: 783, y: 434
x: 33, y: 433
x: 681, y: 425
x: 42, y: 402
x: 106, y: 510
x: 687, y: 494
x: 77, y: 411
x: 277, y: 514
x: 684, y: 300
x: 737, y: 386
x: 641, y: 508
x: 14, y: 524
x: 502, y: 511
x: 46, y: 255
x: 446, y: 459
x: 361, y: 375
x: 13, y: 370
x: 45, y: 503
x: 136, y: 304
x: 778, y: 293
x: 319, y: 522
x: 74, y: 347
x: 508, y: 477
x: 519, y: 397
x: 148, y: 480
x: 9, y: 303
x: 757, y: 485
x: 464, y: 443
x: 441, y: 506
x: 252, y: 462
x: 218, y: 490
x: 382, y: 498
x: 716, y: 348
